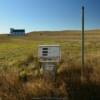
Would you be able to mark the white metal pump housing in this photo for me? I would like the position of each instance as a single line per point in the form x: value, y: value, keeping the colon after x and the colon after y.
x: 49, y: 53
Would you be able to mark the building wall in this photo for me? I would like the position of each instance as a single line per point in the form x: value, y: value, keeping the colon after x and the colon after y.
x: 17, y: 32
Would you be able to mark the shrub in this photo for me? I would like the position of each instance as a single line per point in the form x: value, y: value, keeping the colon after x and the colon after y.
x: 23, y: 76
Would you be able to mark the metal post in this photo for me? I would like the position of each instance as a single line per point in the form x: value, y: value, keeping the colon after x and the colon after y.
x: 82, y: 37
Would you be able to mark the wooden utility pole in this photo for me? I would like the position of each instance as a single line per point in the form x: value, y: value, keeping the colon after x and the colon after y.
x: 82, y: 43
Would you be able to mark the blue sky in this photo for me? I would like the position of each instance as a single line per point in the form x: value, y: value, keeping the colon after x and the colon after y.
x: 40, y: 15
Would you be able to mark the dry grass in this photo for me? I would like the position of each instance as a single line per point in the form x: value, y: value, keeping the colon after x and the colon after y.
x: 16, y: 55
x: 68, y: 84
x: 12, y: 88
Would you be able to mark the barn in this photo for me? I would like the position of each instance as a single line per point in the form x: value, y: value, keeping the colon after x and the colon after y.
x: 17, y: 32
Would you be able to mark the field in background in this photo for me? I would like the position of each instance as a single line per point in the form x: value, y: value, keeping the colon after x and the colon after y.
x: 18, y: 55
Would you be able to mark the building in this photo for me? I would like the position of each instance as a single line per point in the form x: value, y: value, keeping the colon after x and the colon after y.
x: 17, y: 32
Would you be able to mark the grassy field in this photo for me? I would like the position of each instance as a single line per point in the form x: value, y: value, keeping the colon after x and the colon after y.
x: 18, y: 60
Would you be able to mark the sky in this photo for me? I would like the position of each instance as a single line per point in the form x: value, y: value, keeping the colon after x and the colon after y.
x: 48, y: 15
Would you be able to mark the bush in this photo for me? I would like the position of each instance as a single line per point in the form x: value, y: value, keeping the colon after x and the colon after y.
x: 23, y: 76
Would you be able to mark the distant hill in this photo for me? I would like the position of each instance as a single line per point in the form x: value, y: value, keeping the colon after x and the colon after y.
x: 54, y: 32
x: 67, y: 35
x: 66, y: 32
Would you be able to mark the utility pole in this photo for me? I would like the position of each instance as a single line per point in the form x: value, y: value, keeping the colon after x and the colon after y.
x: 82, y: 43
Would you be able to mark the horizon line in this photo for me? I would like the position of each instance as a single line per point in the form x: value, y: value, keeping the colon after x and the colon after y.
x: 88, y: 29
